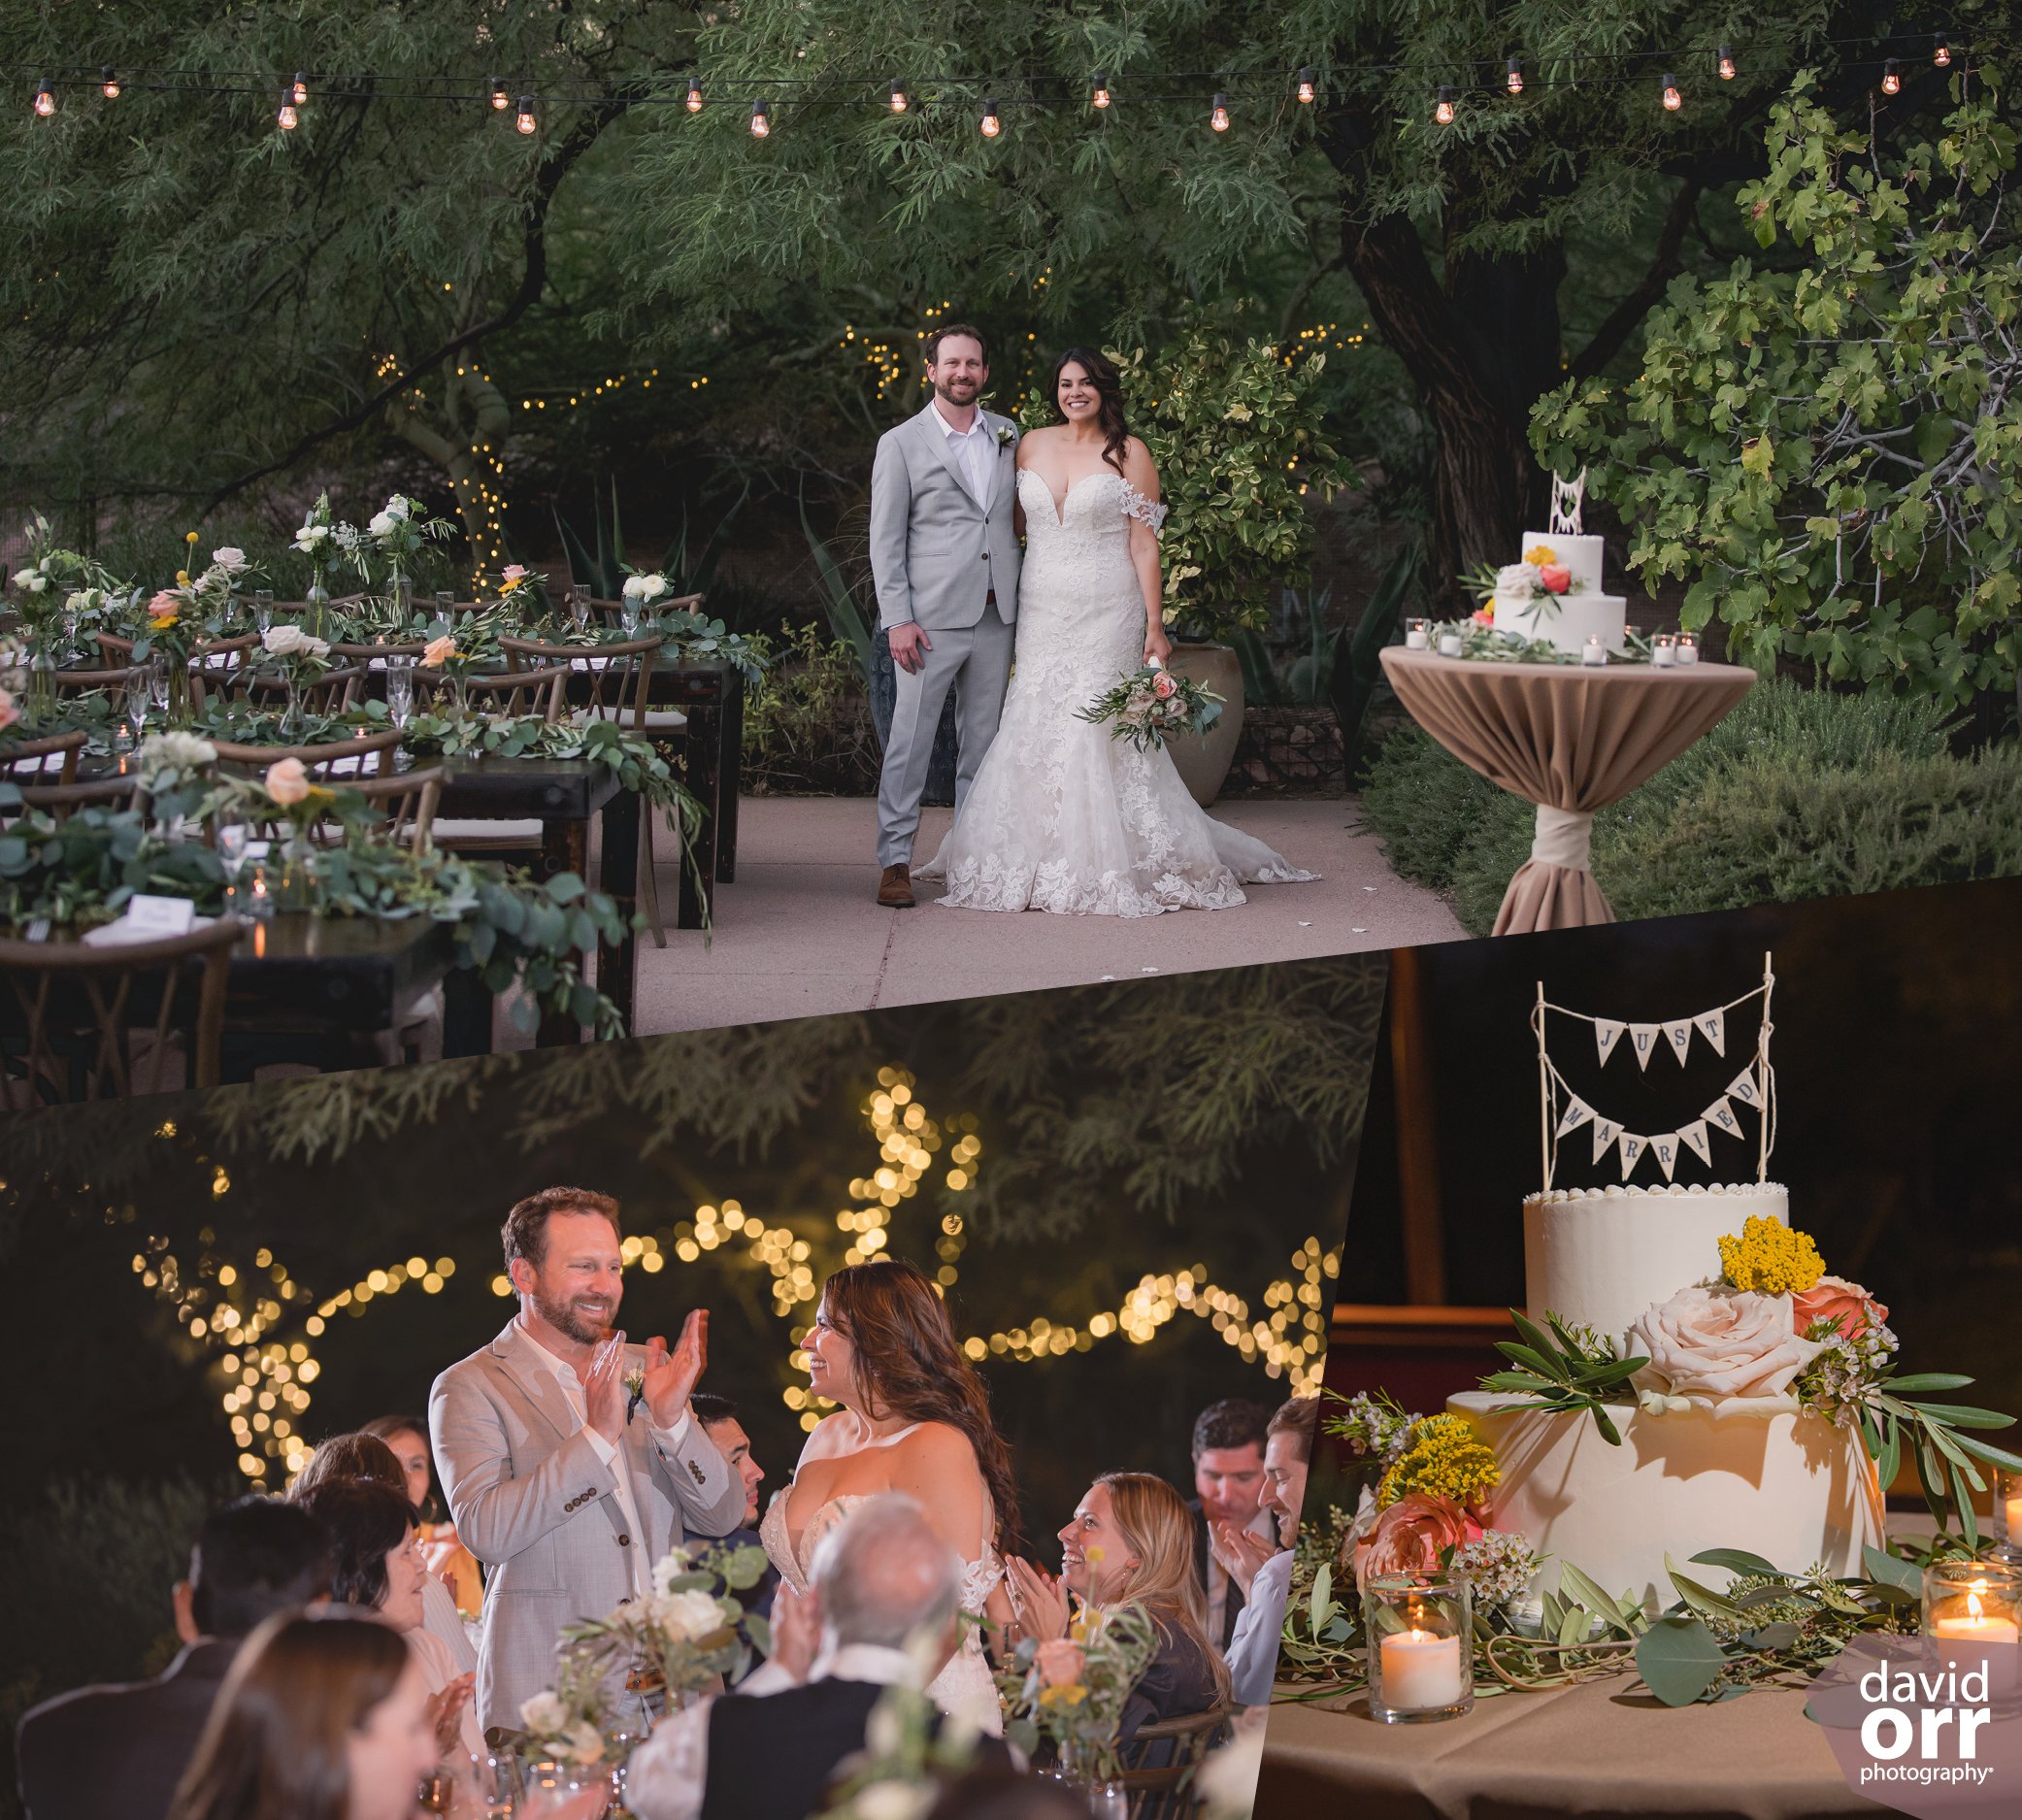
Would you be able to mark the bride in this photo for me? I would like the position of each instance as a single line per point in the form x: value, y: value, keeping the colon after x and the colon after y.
x: 914, y: 1420
x: 1061, y: 816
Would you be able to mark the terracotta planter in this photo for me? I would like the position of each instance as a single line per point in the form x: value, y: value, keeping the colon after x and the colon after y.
x: 1204, y: 760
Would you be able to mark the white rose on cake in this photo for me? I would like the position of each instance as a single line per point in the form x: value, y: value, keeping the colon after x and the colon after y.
x: 1734, y: 1351
x: 1518, y: 579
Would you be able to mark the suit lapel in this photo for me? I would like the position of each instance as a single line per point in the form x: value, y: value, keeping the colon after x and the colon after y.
x: 1001, y: 461
x: 935, y: 428
x: 534, y: 1381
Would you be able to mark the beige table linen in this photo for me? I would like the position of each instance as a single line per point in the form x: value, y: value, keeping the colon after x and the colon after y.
x: 1571, y: 739
x: 1595, y: 1749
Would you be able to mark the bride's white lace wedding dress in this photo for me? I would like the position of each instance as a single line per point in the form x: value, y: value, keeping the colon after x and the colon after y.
x: 1060, y: 816
x: 965, y: 1686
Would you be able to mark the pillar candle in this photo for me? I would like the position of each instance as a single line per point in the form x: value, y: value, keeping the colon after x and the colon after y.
x: 1422, y: 1670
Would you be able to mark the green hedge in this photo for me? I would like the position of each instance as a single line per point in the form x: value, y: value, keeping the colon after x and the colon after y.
x: 1797, y: 793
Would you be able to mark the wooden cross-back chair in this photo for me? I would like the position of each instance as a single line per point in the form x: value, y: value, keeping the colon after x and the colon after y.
x: 333, y: 692
x: 1163, y: 1760
x: 82, y: 1023
x: 49, y: 760
x: 515, y: 692
x: 334, y: 761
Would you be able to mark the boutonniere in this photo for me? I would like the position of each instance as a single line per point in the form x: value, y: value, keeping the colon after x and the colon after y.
x: 1006, y: 436
x: 635, y: 1383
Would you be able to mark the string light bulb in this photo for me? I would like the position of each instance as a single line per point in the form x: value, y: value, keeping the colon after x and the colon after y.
x: 500, y: 99
x: 899, y: 101
x: 1219, y: 118
x: 298, y: 90
x: 45, y: 101
x: 1673, y: 100
x: 1101, y: 97
x: 991, y: 124
x: 1726, y: 64
x: 1942, y: 51
x: 1442, y: 105
x: 1306, y: 87
x: 1892, y: 78
x: 528, y: 121
x: 694, y: 94
x: 761, y: 119
x: 287, y: 118
x: 1515, y: 81
x: 109, y: 83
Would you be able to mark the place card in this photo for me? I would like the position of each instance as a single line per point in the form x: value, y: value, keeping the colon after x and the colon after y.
x: 154, y: 918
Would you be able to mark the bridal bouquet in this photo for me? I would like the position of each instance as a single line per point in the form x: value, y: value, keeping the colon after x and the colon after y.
x: 1154, y: 706
x: 1070, y: 1690
x: 677, y: 1639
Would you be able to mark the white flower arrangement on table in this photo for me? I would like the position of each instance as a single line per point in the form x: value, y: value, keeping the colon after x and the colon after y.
x: 397, y: 532
x: 679, y: 1639
x: 1152, y: 706
x: 173, y: 761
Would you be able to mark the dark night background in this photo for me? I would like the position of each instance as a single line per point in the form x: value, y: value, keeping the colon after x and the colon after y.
x: 1143, y: 1127
x: 1898, y: 1051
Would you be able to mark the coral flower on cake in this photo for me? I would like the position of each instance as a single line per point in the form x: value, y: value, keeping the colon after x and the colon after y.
x: 1554, y: 577
x: 1409, y: 1536
x: 1834, y: 1298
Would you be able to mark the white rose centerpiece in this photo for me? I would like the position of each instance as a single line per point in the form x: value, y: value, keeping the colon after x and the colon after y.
x: 644, y: 588
x: 291, y: 641
x: 1733, y: 1352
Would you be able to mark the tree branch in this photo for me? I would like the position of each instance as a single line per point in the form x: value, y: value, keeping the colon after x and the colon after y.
x: 1614, y: 334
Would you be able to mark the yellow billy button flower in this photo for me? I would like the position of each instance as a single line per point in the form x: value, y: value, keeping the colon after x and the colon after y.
x: 1446, y: 1459
x: 1539, y: 554
x: 1771, y: 1258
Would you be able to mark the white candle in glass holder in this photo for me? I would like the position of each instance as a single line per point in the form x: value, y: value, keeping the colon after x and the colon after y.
x: 1420, y: 1671
x: 1594, y: 652
x: 1664, y: 650
x: 2011, y: 1508
x: 1449, y: 644
x: 1415, y: 635
x: 1688, y: 648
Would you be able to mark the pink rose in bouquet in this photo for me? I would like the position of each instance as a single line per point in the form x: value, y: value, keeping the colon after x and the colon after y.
x: 1163, y: 683
x: 1408, y: 1537
x: 1060, y: 1663
x: 1834, y: 1297
x: 1554, y: 577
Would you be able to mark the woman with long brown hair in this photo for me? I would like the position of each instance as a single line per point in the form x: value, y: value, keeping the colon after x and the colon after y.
x: 322, y: 1717
x: 1061, y: 816
x: 914, y: 1417
x: 1131, y: 1543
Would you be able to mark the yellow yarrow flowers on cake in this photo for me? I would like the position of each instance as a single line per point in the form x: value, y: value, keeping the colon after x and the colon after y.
x: 1771, y: 1258
x: 1446, y: 1458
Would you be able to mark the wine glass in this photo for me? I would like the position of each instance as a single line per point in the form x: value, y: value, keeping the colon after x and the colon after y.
x: 579, y: 605
x: 263, y: 608
x: 158, y: 683
x: 232, y: 833
x: 400, y: 689
x: 140, y: 703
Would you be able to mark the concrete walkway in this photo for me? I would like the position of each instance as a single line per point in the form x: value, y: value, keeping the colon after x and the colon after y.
x: 800, y: 933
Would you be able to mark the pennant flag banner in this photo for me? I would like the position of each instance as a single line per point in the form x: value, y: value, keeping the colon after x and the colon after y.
x: 1631, y: 1149
x: 1605, y: 1133
x: 1606, y: 1033
x: 1643, y: 1039
x: 1742, y: 1087
x: 1695, y: 1135
x: 1720, y: 1113
x: 1713, y: 1026
x: 1680, y: 1036
x: 1666, y: 1149
x: 1576, y: 1114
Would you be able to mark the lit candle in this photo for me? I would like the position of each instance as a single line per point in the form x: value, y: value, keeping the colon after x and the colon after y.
x: 1594, y: 651
x: 1975, y: 1629
x: 2011, y: 1508
x: 1417, y: 636
x: 1422, y: 1670
x: 1449, y: 644
x: 1688, y: 648
x: 1664, y: 650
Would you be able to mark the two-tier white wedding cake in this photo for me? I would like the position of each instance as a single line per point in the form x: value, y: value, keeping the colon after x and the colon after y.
x: 1555, y: 591
x: 1716, y: 1450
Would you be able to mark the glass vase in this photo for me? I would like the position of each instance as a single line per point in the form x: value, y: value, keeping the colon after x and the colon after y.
x: 1420, y: 1629
x: 178, y: 705
x: 400, y: 596
x: 41, y: 689
x: 315, y: 605
x: 295, y: 887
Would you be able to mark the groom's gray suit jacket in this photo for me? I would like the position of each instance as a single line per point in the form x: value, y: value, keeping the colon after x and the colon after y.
x: 535, y: 1502
x: 936, y: 553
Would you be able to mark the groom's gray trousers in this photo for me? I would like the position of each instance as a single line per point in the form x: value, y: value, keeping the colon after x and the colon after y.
x: 976, y: 661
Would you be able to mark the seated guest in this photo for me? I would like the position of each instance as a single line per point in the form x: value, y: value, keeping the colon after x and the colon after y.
x: 719, y: 1421
x: 324, y: 1716
x: 1228, y: 1455
x: 882, y: 1609
x: 106, y: 1751
x: 449, y: 1560
x: 1130, y: 1541
x: 369, y: 1460
x: 1265, y: 1577
x: 379, y: 1569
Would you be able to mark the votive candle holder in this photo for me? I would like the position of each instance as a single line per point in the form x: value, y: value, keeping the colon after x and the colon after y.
x: 1420, y: 1629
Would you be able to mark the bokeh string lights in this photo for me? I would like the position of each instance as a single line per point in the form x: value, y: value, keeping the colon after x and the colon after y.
x: 260, y: 1328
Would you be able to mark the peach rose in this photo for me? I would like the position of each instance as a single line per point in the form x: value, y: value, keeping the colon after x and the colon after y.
x: 1716, y: 1345
x: 1554, y: 577
x: 1834, y: 1296
x: 164, y: 610
x: 287, y: 784
x: 1060, y: 1663
x: 439, y: 652
x: 1163, y: 684
x: 1408, y: 1537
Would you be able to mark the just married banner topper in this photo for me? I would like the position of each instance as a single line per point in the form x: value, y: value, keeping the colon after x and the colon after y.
x: 1564, y: 1112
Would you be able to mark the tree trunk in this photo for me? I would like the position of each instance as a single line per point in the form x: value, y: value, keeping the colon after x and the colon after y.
x: 1480, y: 348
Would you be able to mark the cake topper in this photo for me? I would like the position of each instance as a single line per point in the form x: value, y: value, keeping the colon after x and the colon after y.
x: 1567, y: 499
x: 1561, y: 1112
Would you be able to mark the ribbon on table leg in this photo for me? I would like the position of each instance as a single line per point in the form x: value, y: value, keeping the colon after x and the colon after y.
x: 1554, y: 888
x: 1564, y: 837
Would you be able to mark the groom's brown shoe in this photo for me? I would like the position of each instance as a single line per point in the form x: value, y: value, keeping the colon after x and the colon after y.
x: 895, y: 888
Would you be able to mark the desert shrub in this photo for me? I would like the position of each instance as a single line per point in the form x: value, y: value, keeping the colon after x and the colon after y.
x: 807, y: 729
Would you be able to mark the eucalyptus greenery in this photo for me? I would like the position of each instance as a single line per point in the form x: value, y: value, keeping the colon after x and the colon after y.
x: 1578, y: 1373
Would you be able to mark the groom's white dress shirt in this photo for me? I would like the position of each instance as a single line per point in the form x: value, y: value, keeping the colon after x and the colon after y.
x: 669, y: 1772
x: 974, y: 451
x: 670, y: 1438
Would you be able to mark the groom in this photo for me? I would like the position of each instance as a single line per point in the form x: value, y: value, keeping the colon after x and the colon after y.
x: 944, y: 556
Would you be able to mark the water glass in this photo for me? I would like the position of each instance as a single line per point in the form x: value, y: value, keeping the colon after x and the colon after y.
x: 632, y: 616
x: 579, y: 605
x: 400, y: 691
x: 140, y: 703
x: 263, y: 608
x: 159, y: 683
x: 444, y: 605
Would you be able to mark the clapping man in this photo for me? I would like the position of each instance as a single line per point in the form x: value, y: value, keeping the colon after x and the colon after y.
x: 1265, y: 1575
x: 567, y: 1481
x: 720, y: 1422
x: 1228, y: 1454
